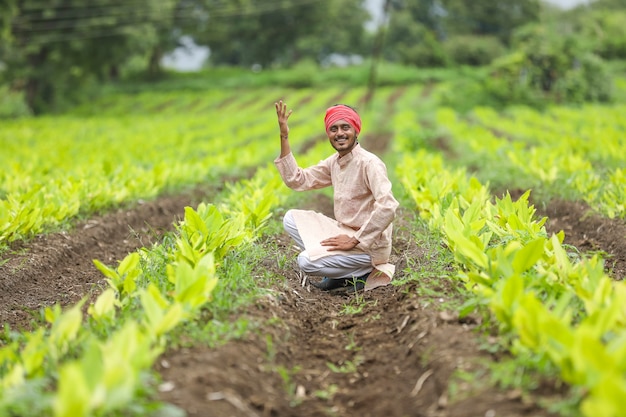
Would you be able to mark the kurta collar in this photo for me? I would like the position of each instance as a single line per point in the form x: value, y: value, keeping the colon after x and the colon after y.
x: 344, y: 160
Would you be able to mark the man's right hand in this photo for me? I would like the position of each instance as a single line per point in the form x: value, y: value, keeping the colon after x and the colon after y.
x: 283, y: 116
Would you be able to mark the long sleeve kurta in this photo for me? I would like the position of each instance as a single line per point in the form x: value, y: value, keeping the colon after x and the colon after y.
x: 363, y: 200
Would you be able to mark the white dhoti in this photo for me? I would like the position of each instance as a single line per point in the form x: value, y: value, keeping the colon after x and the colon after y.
x: 309, y: 228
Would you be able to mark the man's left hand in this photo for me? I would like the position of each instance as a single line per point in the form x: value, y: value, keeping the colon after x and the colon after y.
x: 340, y: 242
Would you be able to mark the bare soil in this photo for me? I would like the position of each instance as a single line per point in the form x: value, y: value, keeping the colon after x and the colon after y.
x: 395, y: 357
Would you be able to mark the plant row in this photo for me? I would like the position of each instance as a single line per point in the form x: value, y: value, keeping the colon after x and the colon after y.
x: 563, y: 309
x: 570, y: 153
x: 56, y: 168
x: 94, y: 363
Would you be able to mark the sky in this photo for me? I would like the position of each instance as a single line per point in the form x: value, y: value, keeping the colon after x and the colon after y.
x: 377, y: 5
x: 189, y: 57
x: 567, y: 4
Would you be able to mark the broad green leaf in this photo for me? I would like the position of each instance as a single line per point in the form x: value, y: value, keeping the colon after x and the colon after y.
x: 128, y: 264
x: 104, y: 307
x: 172, y: 318
x: 528, y: 255
x: 15, y: 377
x: 73, y: 396
x: 606, y: 398
x: 65, y: 328
x: 34, y: 353
x: 107, y: 272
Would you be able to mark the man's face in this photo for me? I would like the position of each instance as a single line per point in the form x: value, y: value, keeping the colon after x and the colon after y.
x: 342, y: 136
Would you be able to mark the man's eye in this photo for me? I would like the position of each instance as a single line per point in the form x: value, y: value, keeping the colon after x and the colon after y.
x: 345, y: 127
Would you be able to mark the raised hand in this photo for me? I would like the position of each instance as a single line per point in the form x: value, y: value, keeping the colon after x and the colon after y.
x: 283, y: 116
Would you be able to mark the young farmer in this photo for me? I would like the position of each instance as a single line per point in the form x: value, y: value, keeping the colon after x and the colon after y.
x: 351, y: 251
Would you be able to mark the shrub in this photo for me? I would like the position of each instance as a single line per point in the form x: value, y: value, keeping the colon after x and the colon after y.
x: 473, y: 50
x: 426, y: 54
x: 411, y: 43
x: 12, y: 104
x: 606, y: 30
x: 549, y: 67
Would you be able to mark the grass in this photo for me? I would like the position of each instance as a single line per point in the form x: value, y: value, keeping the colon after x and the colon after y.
x: 432, y: 271
x: 305, y: 74
x: 356, y: 304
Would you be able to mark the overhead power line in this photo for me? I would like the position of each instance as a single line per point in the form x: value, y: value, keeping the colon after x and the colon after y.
x: 89, y: 20
x: 79, y: 13
x: 95, y: 21
x: 88, y: 11
x: 96, y: 28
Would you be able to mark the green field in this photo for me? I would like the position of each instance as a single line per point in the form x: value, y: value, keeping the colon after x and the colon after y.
x: 470, y: 179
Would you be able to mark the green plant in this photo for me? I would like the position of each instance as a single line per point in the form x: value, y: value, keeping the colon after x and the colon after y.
x: 557, y: 67
x: 12, y: 104
x: 289, y: 385
x: 473, y: 50
x: 356, y: 304
x: 328, y: 393
x: 352, y: 345
x: 346, y: 367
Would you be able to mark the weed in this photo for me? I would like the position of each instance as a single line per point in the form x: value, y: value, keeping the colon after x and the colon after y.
x: 328, y: 393
x: 352, y: 345
x: 426, y: 356
x: 432, y: 270
x: 271, y: 349
x: 567, y: 406
x: 347, y: 367
x: 289, y: 384
x: 373, y: 318
x: 463, y: 384
x: 356, y: 305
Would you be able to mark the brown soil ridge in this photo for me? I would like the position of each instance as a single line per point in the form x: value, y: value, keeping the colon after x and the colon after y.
x: 590, y: 232
x: 58, y: 267
x: 396, y: 357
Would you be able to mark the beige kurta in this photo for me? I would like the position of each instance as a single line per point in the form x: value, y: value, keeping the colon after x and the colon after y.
x: 364, y: 206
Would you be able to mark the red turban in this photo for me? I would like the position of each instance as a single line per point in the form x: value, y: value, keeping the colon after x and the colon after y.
x: 339, y: 112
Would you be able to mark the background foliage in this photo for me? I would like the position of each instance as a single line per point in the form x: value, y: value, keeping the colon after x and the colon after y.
x: 56, y: 53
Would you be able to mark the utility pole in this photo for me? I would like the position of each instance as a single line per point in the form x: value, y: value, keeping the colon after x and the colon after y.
x: 376, y: 53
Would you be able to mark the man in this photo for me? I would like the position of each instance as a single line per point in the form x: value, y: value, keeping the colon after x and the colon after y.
x: 351, y: 252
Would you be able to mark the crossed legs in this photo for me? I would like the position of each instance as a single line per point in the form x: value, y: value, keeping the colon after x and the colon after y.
x: 333, y: 266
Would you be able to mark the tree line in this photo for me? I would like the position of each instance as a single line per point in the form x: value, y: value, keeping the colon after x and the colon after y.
x: 51, y: 50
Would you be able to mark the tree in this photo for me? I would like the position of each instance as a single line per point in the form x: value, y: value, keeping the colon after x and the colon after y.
x: 605, y: 30
x: 550, y: 66
x: 419, y: 28
x: 8, y: 10
x: 56, y: 47
x: 429, y: 14
x: 247, y: 32
x: 413, y: 43
x: 489, y: 17
x: 607, y: 5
